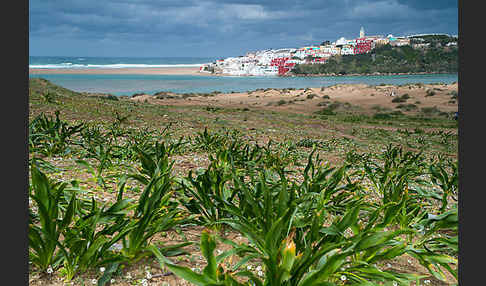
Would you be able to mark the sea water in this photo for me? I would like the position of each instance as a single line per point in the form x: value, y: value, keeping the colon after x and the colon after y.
x: 128, y: 84
x: 115, y: 62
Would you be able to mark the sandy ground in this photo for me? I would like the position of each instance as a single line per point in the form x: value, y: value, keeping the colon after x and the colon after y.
x: 158, y: 71
x: 361, y: 97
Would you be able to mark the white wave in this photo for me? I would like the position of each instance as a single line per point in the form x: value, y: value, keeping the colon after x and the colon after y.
x: 56, y: 66
x: 110, y: 66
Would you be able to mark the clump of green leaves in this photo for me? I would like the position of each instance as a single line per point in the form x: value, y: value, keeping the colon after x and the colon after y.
x: 49, y: 136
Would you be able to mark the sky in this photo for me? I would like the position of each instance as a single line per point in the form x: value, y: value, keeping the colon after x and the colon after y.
x: 205, y: 28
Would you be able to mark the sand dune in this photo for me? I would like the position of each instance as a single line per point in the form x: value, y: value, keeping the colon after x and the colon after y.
x: 360, y: 97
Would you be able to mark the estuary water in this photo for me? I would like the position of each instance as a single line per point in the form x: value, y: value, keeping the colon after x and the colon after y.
x: 126, y: 84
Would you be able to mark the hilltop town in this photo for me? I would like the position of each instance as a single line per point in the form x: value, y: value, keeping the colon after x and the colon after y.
x: 282, y: 61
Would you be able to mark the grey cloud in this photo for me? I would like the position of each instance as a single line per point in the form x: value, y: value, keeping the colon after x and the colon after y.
x: 228, y: 26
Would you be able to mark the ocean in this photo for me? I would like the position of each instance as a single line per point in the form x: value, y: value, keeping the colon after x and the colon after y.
x: 126, y: 84
x: 115, y: 62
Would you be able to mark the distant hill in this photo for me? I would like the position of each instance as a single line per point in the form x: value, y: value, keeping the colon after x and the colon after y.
x: 437, y: 58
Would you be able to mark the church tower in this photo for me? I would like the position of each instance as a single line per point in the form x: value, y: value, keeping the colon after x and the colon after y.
x: 361, y: 33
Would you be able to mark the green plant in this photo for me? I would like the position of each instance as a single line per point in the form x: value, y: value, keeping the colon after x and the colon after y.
x: 103, y: 156
x: 395, y: 183
x: 93, y: 135
x: 288, y: 259
x: 88, y: 242
x: 208, y: 141
x: 353, y: 158
x: 438, y: 244
x: 308, y: 142
x: 392, y: 179
x: 447, y: 183
x: 154, y: 212
x: 214, y: 272
x: 154, y: 163
x: 204, y: 194
x: 51, y: 137
x: 120, y: 119
x: 48, y: 97
x: 44, y: 239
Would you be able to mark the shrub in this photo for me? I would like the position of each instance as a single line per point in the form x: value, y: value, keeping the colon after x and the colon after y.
x: 429, y: 93
x: 212, y: 108
x: 396, y: 112
x: 443, y: 113
x: 311, y: 95
x: 164, y: 96
x: 378, y: 107
x: 398, y: 99
x: 355, y: 118
x: 389, y: 115
x: 407, y: 107
x: 453, y: 94
x: 326, y: 111
x: 430, y: 110
x: 307, y: 142
x: 325, y: 96
x: 109, y: 97
x: 335, y: 105
x: 380, y: 115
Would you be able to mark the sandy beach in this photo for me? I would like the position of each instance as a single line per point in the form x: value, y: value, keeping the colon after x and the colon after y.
x: 156, y: 71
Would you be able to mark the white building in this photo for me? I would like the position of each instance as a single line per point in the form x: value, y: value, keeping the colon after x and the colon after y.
x: 341, y: 41
x: 330, y: 49
x: 300, y: 54
x: 347, y: 50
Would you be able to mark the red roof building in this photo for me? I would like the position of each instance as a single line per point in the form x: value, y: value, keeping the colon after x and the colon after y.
x: 362, y: 46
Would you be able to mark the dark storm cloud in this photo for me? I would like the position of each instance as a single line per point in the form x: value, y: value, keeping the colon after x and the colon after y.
x: 230, y: 27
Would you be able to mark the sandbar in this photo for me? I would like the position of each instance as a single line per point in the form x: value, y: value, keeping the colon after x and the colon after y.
x: 155, y: 71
